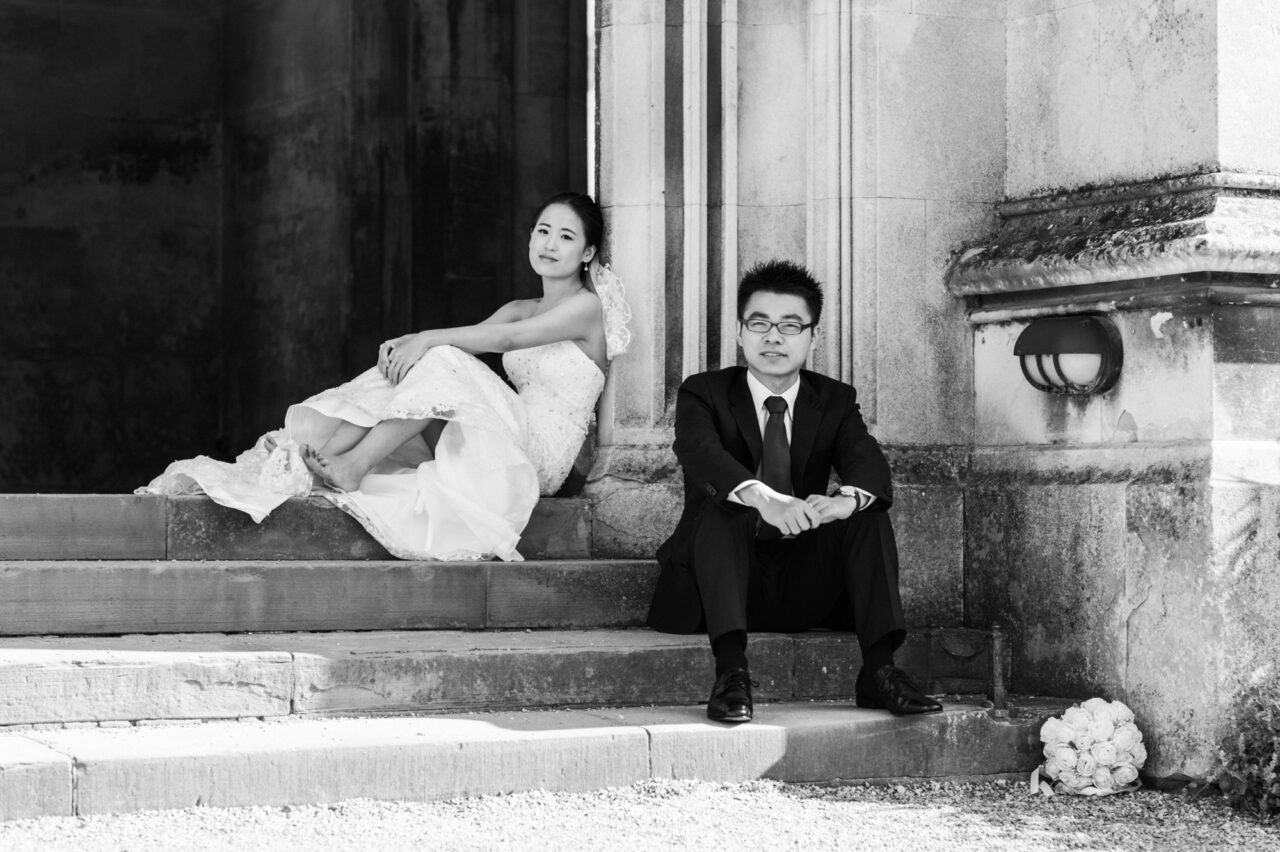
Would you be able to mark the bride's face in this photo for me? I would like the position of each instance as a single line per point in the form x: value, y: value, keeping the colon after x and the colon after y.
x: 557, y: 247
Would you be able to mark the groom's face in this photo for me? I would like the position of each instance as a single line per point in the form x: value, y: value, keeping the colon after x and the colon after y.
x: 773, y: 357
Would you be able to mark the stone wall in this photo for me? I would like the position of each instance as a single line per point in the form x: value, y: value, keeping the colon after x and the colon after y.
x: 1127, y: 540
x: 211, y: 210
x: 1107, y: 91
x: 288, y: 266
x: 865, y: 140
x: 110, y: 233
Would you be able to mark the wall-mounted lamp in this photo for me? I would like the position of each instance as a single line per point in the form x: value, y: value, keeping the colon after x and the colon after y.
x: 1078, y: 355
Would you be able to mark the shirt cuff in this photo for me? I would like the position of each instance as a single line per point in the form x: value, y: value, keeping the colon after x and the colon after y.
x: 733, y: 495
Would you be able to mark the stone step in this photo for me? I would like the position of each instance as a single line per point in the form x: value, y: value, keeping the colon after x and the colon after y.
x: 312, y: 761
x: 114, y: 597
x: 58, y: 680
x: 128, y: 526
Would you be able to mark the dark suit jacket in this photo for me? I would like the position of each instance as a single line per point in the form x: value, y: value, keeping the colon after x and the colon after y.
x: 718, y: 444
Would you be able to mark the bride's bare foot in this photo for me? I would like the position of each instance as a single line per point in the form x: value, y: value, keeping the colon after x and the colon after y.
x: 332, y: 472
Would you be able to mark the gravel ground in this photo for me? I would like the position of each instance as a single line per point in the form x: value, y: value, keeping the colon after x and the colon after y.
x: 682, y: 815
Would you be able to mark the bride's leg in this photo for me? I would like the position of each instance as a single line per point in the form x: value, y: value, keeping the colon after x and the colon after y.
x: 344, y: 471
x: 346, y: 436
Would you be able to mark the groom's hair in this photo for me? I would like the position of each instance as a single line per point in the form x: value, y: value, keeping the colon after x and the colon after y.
x: 785, y: 277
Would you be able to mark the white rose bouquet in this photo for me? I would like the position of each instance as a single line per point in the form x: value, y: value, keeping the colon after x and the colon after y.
x: 1093, y: 749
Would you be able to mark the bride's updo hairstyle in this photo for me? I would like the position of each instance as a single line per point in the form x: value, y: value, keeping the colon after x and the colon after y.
x: 588, y: 212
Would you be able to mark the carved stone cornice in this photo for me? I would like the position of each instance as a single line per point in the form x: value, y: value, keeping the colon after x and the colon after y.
x: 1217, y: 233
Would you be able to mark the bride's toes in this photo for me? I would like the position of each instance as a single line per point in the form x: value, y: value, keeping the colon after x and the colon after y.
x: 318, y: 465
x: 269, y: 442
x: 326, y: 470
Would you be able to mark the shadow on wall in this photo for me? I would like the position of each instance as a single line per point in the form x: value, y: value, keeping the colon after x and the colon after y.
x: 212, y: 209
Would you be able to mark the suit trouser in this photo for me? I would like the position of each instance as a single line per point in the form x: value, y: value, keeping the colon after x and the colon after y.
x: 843, y: 575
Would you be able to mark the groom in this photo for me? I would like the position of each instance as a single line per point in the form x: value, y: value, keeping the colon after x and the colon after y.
x: 762, y: 543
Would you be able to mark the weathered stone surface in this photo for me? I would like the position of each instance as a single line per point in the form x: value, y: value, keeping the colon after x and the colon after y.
x: 568, y: 594
x: 1248, y: 127
x: 926, y: 148
x: 823, y: 745
x: 1066, y: 464
x: 559, y: 528
x: 413, y: 759
x: 929, y: 526
x: 1171, y: 614
x: 1191, y: 224
x: 1246, y: 372
x: 227, y: 765
x: 771, y: 122
x: 959, y: 660
x: 1108, y: 91
x: 68, y: 685
x: 281, y: 53
x: 927, y: 464
x: 501, y: 670
x: 921, y: 339
x: 955, y: 661
x: 631, y: 520
x: 46, y: 680
x: 35, y: 780
x: 313, y: 528
x: 1048, y: 563
x: 304, y: 528
x: 110, y: 175
x: 159, y: 597
x: 81, y: 526
x: 826, y: 664
x: 1164, y: 392
x: 830, y: 741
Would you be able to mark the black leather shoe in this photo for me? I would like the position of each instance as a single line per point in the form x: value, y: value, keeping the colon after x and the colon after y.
x: 890, y: 688
x: 730, y: 699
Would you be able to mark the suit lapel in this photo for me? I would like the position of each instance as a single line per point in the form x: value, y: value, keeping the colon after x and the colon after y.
x: 804, y: 430
x: 744, y: 413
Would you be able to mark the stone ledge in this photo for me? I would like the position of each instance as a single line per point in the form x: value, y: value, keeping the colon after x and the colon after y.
x: 127, y: 526
x: 1183, y: 226
x: 209, y: 676
x: 293, y: 762
x: 87, y: 597
x: 35, y: 780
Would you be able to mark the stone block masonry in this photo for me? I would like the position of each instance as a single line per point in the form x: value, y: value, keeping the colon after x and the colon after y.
x: 81, y: 772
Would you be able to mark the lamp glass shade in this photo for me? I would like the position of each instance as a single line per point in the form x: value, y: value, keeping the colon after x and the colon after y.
x: 1079, y: 368
x: 1031, y: 366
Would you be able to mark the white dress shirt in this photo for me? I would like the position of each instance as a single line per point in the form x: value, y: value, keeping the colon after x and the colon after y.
x: 759, y: 393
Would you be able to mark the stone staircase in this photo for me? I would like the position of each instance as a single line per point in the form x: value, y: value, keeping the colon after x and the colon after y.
x: 161, y: 653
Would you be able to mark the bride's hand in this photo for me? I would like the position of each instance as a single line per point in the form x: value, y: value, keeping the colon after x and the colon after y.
x: 384, y: 353
x: 404, y: 355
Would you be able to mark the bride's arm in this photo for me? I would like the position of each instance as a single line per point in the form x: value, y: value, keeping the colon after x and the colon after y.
x: 572, y: 319
x: 509, y: 312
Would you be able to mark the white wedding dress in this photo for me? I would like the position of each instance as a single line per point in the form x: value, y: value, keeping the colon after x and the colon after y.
x: 498, y: 451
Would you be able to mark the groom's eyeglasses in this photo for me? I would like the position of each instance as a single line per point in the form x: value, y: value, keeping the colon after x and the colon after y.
x: 787, y: 327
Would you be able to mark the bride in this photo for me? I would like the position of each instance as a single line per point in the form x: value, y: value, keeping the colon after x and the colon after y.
x: 430, y: 450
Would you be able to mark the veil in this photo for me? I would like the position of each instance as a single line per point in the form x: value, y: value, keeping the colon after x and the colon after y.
x: 617, y: 313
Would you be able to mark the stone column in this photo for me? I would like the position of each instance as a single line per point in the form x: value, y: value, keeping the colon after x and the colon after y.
x: 631, y: 481
x: 864, y: 139
x: 1129, y: 540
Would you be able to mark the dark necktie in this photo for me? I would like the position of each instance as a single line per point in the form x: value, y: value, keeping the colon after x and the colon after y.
x: 775, y: 463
